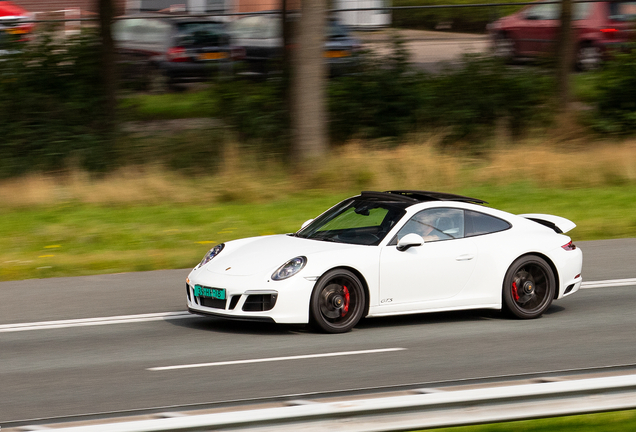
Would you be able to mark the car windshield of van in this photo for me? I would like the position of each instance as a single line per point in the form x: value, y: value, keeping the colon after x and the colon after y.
x: 201, y: 34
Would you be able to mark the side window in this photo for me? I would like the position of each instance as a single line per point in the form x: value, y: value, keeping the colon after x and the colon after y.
x: 436, y: 224
x: 479, y: 223
x: 549, y: 11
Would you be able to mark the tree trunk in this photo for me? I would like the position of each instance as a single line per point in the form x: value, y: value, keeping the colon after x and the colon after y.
x: 565, y: 56
x: 109, y: 83
x: 308, y: 116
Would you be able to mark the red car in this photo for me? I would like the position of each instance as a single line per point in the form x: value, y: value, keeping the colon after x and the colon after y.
x: 597, y: 27
x: 12, y: 19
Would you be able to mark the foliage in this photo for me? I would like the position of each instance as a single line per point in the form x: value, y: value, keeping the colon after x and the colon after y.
x: 256, y: 110
x: 616, y: 95
x: 388, y: 98
x: 382, y: 98
x: 472, y: 19
x: 52, y: 109
x: 472, y: 97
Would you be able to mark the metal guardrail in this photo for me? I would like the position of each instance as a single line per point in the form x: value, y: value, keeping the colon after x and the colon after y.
x: 432, y: 408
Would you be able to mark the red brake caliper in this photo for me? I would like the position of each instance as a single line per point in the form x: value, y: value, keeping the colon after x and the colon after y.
x: 345, y: 308
x: 514, y: 291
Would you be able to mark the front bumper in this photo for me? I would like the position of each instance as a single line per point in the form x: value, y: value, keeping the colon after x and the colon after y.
x: 252, y: 299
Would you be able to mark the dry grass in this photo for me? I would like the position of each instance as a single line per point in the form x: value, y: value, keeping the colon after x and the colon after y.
x: 419, y: 165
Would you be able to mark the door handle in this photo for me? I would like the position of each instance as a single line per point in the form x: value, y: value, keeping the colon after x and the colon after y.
x: 465, y: 257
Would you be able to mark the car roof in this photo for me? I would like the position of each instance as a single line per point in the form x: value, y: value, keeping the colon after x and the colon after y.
x: 417, y: 196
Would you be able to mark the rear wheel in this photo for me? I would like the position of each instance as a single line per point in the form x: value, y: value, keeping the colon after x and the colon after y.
x: 337, y: 302
x: 504, y: 47
x: 529, y: 287
x: 588, y: 57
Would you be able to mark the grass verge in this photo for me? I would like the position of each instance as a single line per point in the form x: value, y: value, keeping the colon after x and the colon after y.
x: 617, y: 421
x: 80, y: 238
x: 146, y: 219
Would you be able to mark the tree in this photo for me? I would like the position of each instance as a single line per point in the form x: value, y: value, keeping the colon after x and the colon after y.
x: 109, y: 78
x: 308, y: 105
x: 565, y: 57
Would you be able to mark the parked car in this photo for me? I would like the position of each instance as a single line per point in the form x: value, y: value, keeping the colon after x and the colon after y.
x: 391, y: 253
x: 14, y: 27
x: 174, y: 49
x: 261, y: 36
x: 597, y: 28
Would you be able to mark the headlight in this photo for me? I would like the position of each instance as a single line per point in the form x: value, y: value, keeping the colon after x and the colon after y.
x: 290, y: 268
x: 211, y: 254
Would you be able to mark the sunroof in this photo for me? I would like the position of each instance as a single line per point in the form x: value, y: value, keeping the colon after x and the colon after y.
x: 420, y: 196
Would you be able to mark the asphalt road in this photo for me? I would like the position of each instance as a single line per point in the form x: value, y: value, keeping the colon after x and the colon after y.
x: 97, y: 368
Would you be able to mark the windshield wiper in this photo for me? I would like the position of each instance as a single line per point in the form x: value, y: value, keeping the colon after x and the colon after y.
x: 329, y: 239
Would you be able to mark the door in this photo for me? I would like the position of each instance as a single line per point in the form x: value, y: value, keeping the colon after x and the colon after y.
x: 438, y: 269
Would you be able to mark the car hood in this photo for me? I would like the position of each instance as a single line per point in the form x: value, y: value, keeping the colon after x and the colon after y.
x: 263, y: 255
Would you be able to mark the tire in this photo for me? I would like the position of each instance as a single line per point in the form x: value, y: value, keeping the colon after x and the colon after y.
x: 338, y: 302
x: 588, y: 57
x: 504, y: 47
x: 156, y: 81
x: 528, y: 287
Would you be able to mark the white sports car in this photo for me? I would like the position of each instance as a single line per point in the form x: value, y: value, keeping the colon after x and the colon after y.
x: 391, y: 253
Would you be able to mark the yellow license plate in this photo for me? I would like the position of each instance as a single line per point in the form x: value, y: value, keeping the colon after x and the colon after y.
x: 213, y: 56
x: 337, y: 54
x: 16, y: 31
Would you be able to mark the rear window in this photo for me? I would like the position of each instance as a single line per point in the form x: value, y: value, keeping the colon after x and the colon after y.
x: 201, y: 34
x: 479, y: 223
x: 623, y: 11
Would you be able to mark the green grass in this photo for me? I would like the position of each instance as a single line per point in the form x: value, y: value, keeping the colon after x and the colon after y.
x: 80, y: 239
x: 618, y: 421
x: 165, y: 106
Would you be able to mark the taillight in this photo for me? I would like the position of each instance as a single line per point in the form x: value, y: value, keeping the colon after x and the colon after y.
x: 608, y: 30
x: 569, y: 247
x: 177, y: 54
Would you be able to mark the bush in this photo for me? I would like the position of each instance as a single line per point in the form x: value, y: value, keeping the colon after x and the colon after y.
x: 51, y: 109
x: 383, y: 98
x: 388, y: 98
x: 256, y: 111
x: 616, y: 95
x: 471, y: 98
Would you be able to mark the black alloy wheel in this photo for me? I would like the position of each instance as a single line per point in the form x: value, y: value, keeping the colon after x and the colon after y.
x: 529, y: 287
x: 338, y: 302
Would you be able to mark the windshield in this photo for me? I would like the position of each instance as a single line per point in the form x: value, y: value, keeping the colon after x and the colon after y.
x: 355, y: 221
x: 202, y: 34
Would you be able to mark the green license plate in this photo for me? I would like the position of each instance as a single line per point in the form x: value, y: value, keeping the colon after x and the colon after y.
x: 217, y: 293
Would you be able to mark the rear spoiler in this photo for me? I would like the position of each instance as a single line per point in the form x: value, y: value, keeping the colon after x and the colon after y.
x: 557, y: 223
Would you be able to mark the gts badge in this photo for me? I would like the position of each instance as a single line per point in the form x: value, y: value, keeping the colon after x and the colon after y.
x: 386, y: 300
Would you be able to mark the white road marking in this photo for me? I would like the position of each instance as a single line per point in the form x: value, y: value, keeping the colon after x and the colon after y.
x: 608, y: 283
x: 275, y: 359
x: 85, y: 322
x: 161, y: 316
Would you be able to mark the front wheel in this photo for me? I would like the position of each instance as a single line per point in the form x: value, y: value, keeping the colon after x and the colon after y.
x: 337, y: 302
x: 529, y: 287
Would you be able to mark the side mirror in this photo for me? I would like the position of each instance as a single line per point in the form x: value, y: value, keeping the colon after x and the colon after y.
x: 408, y: 241
x: 306, y: 223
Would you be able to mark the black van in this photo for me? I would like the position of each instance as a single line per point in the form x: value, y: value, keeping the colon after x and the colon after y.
x: 173, y: 50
